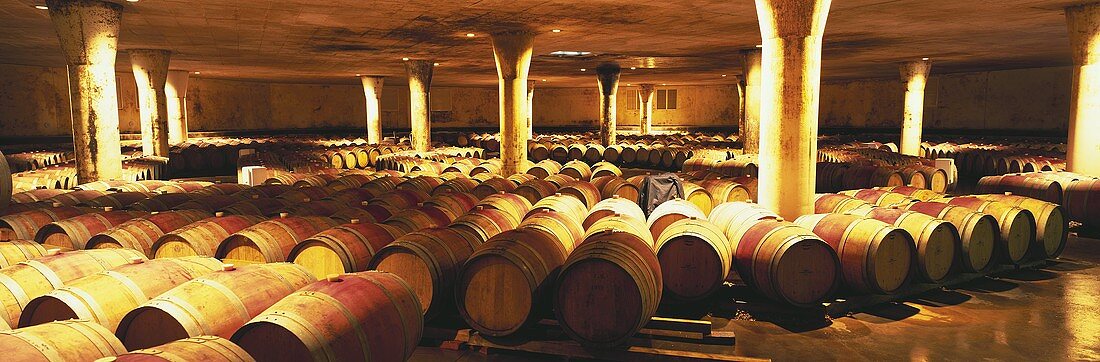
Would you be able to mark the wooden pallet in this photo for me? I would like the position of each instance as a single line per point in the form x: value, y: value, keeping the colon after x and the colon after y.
x: 743, y: 299
x: 662, y: 339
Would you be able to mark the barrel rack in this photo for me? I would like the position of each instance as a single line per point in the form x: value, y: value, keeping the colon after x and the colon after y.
x: 664, y: 339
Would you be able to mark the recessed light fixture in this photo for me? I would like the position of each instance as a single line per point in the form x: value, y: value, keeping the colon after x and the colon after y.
x: 405, y: 59
x: 556, y: 30
x: 723, y: 75
x: 131, y: 1
x: 664, y: 83
x: 41, y: 7
x: 759, y: 45
x: 544, y: 80
x: 358, y: 75
x: 197, y: 73
x: 570, y: 53
x: 470, y: 35
x: 584, y: 70
x: 633, y: 68
x: 628, y: 84
x: 435, y: 64
x: 924, y: 58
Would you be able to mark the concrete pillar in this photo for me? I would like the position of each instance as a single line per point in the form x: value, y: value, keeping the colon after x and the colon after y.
x: 88, y: 31
x: 372, y: 92
x: 151, y: 75
x: 530, y: 109
x: 176, y: 92
x: 740, y: 106
x: 750, y: 132
x: 512, y: 51
x: 607, y: 75
x: 792, y: 31
x: 420, y: 83
x: 646, y: 94
x: 1083, y: 152
x: 915, y: 76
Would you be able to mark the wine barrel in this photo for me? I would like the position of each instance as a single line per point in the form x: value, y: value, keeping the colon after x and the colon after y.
x: 669, y: 212
x: 73, y: 233
x: 565, y: 228
x: 699, y: 196
x: 5, y: 182
x: 201, y: 237
x: 485, y: 223
x: 346, y: 248
x: 1017, y: 226
x: 461, y: 184
x: 14, y: 251
x: 629, y: 280
x: 30, y: 279
x: 913, y: 192
x: 423, y: 184
x: 1024, y: 185
x: 875, y: 257
x: 73, y: 340
x: 611, y: 206
x: 182, y: 187
x: 1081, y: 200
x: 724, y: 190
x: 566, y: 205
x: 107, y: 296
x: 1051, y: 224
x: 617, y: 186
x: 419, y: 218
x: 26, y: 224
x: 879, y: 197
x: 77, y: 197
x: 210, y: 203
x: 429, y: 261
x: 352, y: 196
x: 140, y: 233
x: 695, y: 258
x: 544, y: 168
x: 493, y: 186
x: 784, y: 261
x: 35, y: 195
x: 978, y: 232
x: 520, y: 264
x: 837, y: 203
x: 601, y: 169
x: 577, y: 169
x: 263, y: 206
x: 535, y: 190
x: 368, y: 316
x: 200, y: 348
x: 366, y: 213
x: 401, y: 199
x: 352, y: 181
x: 732, y: 215
x: 161, y: 202
x: 936, y: 239
x: 216, y: 304
x: 515, y: 205
x: 118, y: 200
x: 559, y: 180
x: 584, y: 191
x: 270, y: 241
x: 454, y: 204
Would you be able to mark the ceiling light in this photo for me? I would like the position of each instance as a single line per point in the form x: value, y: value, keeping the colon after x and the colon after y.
x: 470, y: 35
x: 197, y: 73
x: 924, y: 58
x: 584, y: 70
x: 628, y: 84
x: 759, y: 45
x: 723, y: 75
x: 405, y: 59
x: 358, y: 75
x: 570, y: 53
x: 435, y: 64
x: 556, y: 30
x: 41, y: 7
x: 633, y: 68
x: 131, y: 1
x: 664, y: 83
x: 544, y: 80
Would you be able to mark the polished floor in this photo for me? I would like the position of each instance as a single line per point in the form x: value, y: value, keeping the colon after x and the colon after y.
x: 1049, y: 314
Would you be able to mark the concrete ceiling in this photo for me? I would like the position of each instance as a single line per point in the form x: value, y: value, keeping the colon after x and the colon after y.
x: 669, y: 41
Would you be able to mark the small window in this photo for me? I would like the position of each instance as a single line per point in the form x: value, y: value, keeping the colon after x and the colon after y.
x: 631, y: 98
x: 666, y: 99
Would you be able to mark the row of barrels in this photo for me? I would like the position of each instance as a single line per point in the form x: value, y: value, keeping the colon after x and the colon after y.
x: 491, y: 142
x: 64, y: 176
x: 1078, y: 194
x: 636, y: 154
x: 85, y: 305
x: 854, y: 168
x: 33, y: 160
x: 980, y: 160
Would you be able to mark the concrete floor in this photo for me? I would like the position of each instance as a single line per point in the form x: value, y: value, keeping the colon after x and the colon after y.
x: 1051, y: 314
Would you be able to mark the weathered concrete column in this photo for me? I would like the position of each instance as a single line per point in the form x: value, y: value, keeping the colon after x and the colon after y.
x: 792, y: 31
x: 512, y: 51
x: 750, y: 128
x: 1083, y: 152
x: 607, y: 75
x: 88, y: 31
x: 420, y: 84
x: 176, y: 92
x: 646, y: 94
x: 151, y: 75
x: 740, y: 106
x: 530, y: 109
x: 915, y: 76
x: 372, y: 92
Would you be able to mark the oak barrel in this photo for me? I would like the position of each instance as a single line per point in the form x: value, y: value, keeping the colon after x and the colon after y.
x: 201, y: 237
x: 200, y: 348
x: 72, y: 340
x: 695, y: 257
x: 270, y: 241
x: 875, y: 257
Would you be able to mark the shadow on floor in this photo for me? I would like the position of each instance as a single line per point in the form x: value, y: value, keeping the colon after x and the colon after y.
x: 988, y: 285
x: 941, y: 298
